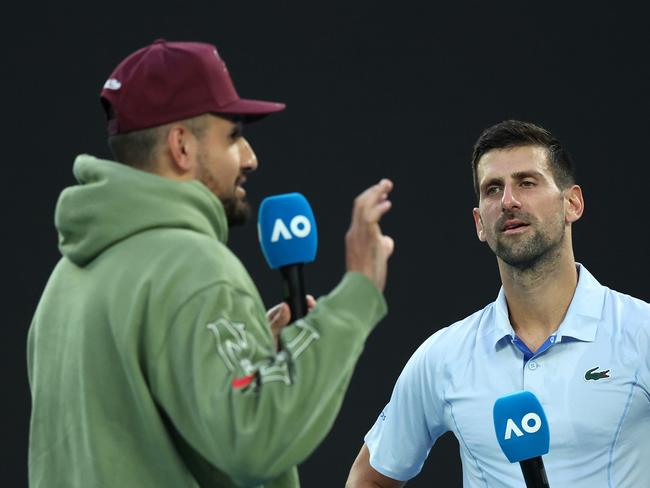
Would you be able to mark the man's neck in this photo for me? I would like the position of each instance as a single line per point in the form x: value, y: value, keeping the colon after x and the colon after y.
x: 539, y: 298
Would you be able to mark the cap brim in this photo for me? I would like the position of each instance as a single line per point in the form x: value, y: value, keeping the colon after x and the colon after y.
x: 251, y: 110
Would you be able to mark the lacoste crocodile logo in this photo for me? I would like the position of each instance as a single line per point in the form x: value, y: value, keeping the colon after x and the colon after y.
x: 592, y: 374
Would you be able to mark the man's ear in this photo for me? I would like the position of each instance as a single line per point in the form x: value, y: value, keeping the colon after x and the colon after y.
x: 479, y: 225
x: 182, y: 147
x: 575, y: 204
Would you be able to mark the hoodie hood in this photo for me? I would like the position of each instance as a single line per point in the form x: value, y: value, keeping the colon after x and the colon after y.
x: 113, y: 202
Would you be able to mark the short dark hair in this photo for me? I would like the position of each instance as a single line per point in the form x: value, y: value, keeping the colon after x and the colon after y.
x: 514, y: 133
x: 137, y: 148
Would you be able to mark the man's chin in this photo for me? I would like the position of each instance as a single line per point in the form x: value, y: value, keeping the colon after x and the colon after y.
x: 525, y: 257
x: 521, y: 263
x: 517, y: 256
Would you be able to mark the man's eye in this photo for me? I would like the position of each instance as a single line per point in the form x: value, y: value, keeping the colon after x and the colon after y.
x: 527, y: 183
x: 237, y: 131
x: 491, y: 190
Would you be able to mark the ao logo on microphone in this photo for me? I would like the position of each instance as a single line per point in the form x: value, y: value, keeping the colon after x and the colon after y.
x: 521, y: 426
x: 300, y: 227
x: 531, y: 423
x: 287, y: 230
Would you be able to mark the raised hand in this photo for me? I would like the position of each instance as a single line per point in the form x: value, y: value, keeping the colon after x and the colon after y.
x: 366, y: 249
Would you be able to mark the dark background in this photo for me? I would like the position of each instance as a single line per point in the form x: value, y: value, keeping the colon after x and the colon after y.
x: 373, y: 89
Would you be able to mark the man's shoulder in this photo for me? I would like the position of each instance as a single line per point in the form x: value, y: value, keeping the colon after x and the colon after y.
x: 461, y: 333
x: 630, y: 312
x: 174, y: 237
x: 619, y: 304
x: 189, y: 260
x: 187, y: 246
x: 628, y: 302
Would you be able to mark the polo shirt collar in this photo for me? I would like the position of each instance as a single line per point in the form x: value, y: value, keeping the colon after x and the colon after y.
x: 581, y: 319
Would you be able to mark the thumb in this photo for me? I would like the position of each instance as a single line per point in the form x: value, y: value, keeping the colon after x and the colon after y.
x: 388, y: 245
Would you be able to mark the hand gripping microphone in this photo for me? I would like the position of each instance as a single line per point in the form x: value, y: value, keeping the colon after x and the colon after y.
x: 522, y: 431
x: 287, y: 231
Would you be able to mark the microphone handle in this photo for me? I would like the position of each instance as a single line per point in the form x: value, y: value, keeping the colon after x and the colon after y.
x: 293, y: 290
x: 534, y: 473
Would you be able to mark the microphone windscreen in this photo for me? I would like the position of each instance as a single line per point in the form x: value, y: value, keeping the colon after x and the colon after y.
x: 521, y: 427
x: 287, y: 230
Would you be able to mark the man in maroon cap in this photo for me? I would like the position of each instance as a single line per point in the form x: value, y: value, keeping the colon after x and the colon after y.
x: 152, y: 361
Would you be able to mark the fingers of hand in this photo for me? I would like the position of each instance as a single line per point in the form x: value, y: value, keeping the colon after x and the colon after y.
x: 375, y: 196
x: 279, y: 316
x: 311, y: 302
x: 373, y: 214
x: 272, y: 312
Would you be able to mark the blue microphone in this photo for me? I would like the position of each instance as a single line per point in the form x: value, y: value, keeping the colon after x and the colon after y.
x: 288, y: 236
x: 522, y: 432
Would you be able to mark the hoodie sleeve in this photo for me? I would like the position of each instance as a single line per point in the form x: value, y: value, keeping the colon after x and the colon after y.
x: 247, y: 410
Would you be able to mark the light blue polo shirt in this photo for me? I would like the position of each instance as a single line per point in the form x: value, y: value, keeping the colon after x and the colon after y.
x: 592, y: 378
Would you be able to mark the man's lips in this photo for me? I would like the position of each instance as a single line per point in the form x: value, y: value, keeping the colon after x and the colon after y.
x: 239, y: 186
x: 513, y: 226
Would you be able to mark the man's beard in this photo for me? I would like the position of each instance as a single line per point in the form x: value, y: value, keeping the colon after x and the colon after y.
x: 237, y: 210
x: 530, y: 252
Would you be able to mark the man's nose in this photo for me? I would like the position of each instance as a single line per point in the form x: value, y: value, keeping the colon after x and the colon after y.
x: 248, y: 157
x: 509, y: 199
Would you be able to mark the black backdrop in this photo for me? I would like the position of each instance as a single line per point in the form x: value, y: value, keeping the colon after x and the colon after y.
x: 373, y: 89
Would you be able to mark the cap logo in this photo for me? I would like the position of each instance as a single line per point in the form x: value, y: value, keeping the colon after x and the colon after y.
x: 112, y: 84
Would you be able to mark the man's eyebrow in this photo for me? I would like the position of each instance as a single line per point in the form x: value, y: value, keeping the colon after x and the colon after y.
x: 519, y: 175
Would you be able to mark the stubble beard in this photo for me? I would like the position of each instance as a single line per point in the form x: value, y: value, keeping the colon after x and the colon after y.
x: 531, y: 252
x: 237, y: 209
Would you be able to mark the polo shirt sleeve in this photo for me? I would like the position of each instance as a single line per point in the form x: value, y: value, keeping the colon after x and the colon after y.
x: 401, y: 438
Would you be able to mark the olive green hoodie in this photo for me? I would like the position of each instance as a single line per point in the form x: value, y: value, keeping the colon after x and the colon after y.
x: 151, y: 362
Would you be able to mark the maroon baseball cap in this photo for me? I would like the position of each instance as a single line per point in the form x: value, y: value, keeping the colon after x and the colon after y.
x: 169, y: 81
